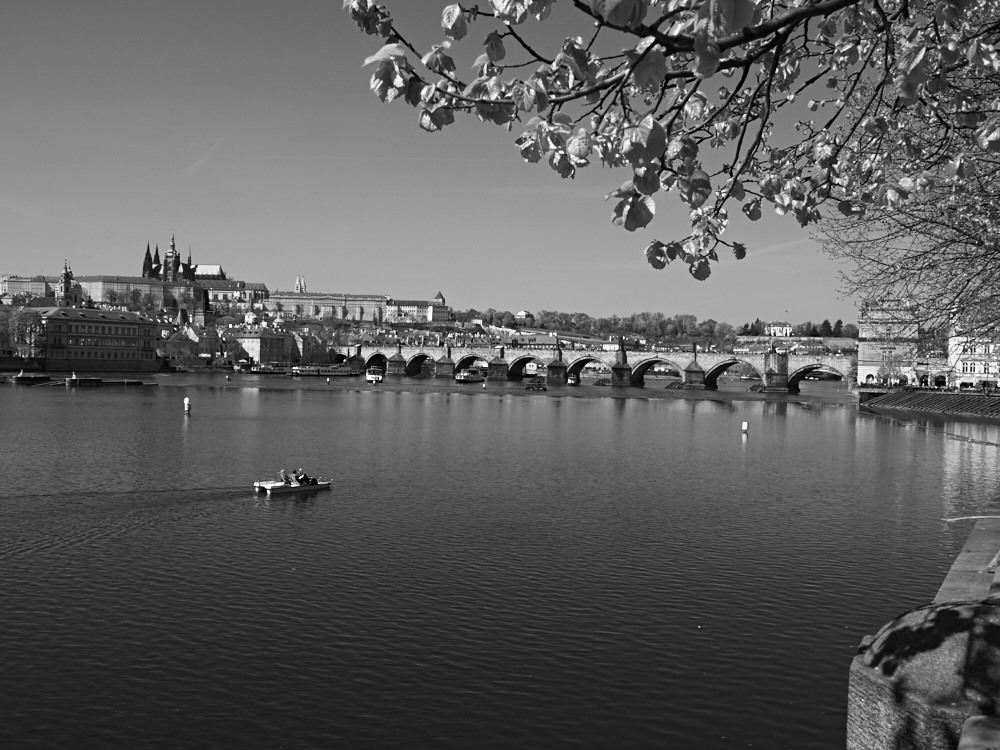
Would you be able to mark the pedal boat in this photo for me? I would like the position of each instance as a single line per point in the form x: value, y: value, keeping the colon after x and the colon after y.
x: 276, y: 487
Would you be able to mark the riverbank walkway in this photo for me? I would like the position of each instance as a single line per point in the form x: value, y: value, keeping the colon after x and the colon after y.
x: 939, y: 402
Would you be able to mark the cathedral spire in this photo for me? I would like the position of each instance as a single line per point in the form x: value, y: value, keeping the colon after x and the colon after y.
x: 147, y: 264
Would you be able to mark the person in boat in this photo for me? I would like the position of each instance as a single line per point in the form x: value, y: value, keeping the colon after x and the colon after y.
x: 283, y: 476
x: 302, y: 478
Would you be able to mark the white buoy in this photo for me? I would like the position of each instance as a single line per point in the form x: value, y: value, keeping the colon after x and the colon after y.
x: 746, y: 426
x: 328, y: 380
x: 187, y: 405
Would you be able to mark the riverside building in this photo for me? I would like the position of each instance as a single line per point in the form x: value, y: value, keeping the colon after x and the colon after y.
x: 91, y: 340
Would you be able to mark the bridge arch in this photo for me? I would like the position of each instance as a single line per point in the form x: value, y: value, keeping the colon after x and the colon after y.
x: 515, y: 370
x: 794, y: 378
x: 639, y: 369
x: 576, y: 366
x: 713, y: 373
x: 468, y: 360
x: 377, y: 359
x: 415, y: 364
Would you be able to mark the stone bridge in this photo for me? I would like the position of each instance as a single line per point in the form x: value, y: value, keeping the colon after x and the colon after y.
x: 778, y: 371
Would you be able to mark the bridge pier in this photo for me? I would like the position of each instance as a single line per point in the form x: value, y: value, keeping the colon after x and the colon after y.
x: 395, y: 366
x: 776, y: 373
x: 555, y: 371
x: 444, y: 366
x: 694, y: 376
x: 497, y: 368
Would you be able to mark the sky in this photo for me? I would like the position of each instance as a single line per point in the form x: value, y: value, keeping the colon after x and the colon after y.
x: 247, y: 129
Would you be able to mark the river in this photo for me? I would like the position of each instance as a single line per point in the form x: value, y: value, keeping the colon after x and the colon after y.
x: 576, y: 568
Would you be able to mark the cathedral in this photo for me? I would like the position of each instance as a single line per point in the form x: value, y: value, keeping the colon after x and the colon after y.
x: 171, y: 269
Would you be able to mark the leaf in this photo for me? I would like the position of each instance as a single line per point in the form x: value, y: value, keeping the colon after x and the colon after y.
x: 561, y: 163
x: 579, y: 145
x: 737, y: 191
x: 951, y: 11
x: 495, y: 50
x: 955, y: 167
x: 891, y: 195
x: 700, y: 269
x: 437, y: 61
x: 696, y: 189
x: 682, y: 148
x: 387, y: 81
x: 695, y: 106
x: 649, y: 72
x: 625, y: 13
x: 531, y: 150
x: 523, y: 96
x: 646, y: 180
x: 634, y: 212
x: 707, y: 55
x: 739, y: 250
x: 510, y: 11
x: 645, y: 142
x: 988, y: 135
x: 910, y: 73
x: 731, y: 16
x: 386, y: 53
x: 453, y: 22
x: 752, y: 209
x: 656, y: 255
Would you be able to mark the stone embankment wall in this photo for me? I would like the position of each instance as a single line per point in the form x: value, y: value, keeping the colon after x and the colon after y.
x: 930, y: 679
x: 966, y: 404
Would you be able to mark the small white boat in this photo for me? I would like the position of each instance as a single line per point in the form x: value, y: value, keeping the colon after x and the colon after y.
x: 572, y: 380
x: 374, y: 375
x: 470, y: 375
x: 277, y: 487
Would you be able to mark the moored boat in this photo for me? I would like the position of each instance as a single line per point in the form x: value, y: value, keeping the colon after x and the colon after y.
x: 272, y: 368
x: 573, y: 380
x: 470, y: 375
x: 374, y: 375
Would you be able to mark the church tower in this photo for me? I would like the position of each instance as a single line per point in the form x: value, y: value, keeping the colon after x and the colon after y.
x: 65, y: 297
x: 300, y: 284
x: 147, y: 264
x: 171, y: 261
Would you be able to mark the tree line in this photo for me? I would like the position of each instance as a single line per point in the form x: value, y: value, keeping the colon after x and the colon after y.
x: 824, y: 329
x: 653, y: 326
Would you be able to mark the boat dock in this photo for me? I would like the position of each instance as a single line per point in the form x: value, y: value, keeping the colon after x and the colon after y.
x: 29, y: 380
